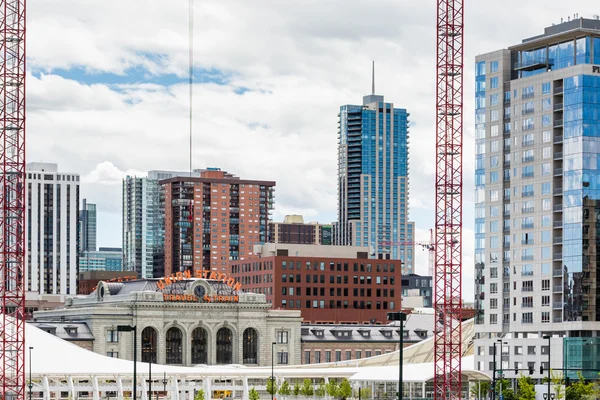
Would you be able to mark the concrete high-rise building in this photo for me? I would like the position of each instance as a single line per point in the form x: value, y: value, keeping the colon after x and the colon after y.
x: 51, y: 220
x: 87, y: 227
x: 212, y: 219
x: 537, y: 202
x: 373, y: 181
x: 144, y: 223
x: 293, y: 230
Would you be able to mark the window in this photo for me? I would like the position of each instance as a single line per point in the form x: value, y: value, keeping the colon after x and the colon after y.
x: 494, y: 131
x: 531, y: 350
x: 493, y: 319
x: 546, y: 188
x: 493, y: 288
x: 546, y: 120
x: 494, y: 83
x: 527, y: 302
x: 546, y: 104
x: 546, y: 284
x: 338, y: 356
x: 282, y: 357
x: 546, y: 169
x: 545, y: 301
x: 282, y: 337
x: 494, y: 67
x: 494, y: 99
x: 327, y: 356
x: 113, y: 354
x: 518, y: 350
x: 112, y: 336
x: 358, y: 354
x: 307, y: 357
x: 250, y: 346
x: 546, y: 136
x: 174, y: 342
x: 317, y: 357
x: 527, y: 318
x: 546, y: 152
x: 493, y: 161
x: 493, y: 304
x: 545, y: 87
x: 545, y: 317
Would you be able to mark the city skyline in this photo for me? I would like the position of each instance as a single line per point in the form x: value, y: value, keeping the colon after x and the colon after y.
x: 136, y: 81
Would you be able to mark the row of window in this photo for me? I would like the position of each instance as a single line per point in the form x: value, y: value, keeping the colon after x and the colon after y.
x: 526, y: 286
x: 338, y: 304
x: 320, y: 266
x: 339, y: 292
x: 526, y: 302
x: 526, y: 318
x: 315, y: 358
x: 291, y: 278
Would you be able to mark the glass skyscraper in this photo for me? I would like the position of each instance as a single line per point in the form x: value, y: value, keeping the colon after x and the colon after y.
x: 373, y: 180
x: 87, y: 227
x: 537, y: 194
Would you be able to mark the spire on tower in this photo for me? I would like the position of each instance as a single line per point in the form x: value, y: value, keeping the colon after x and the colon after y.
x: 373, y: 79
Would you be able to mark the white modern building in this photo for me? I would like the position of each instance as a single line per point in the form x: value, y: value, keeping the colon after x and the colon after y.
x: 537, y: 203
x: 144, y: 222
x: 51, y: 220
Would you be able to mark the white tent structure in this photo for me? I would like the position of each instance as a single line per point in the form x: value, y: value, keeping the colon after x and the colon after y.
x: 60, y: 369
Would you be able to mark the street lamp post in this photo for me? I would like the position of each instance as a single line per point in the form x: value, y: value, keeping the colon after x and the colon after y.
x: 30, y: 382
x: 494, y: 372
x: 164, y: 383
x: 548, y: 338
x: 273, y: 369
x: 401, y: 318
x: 129, y: 328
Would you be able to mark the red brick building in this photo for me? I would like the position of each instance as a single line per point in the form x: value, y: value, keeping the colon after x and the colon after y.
x: 213, y: 219
x: 330, y: 284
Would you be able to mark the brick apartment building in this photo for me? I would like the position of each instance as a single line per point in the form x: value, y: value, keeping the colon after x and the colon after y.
x: 212, y: 219
x: 330, y: 284
x: 293, y: 230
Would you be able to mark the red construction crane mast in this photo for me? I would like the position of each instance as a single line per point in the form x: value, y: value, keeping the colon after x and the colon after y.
x: 448, y: 192
x: 12, y: 199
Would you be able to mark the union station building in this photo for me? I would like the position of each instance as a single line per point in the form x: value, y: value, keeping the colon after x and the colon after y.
x: 181, y: 320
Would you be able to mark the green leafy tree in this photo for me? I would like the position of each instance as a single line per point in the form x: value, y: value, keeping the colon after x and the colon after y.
x: 579, y: 389
x: 332, y: 388
x: 199, y: 395
x: 503, y: 387
x: 307, y: 388
x: 296, y: 389
x: 253, y: 395
x: 526, y: 388
x: 271, y: 386
x: 365, y: 393
x: 285, y: 389
x: 480, y: 389
x: 344, y: 390
x: 321, y: 390
x: 557, y: 384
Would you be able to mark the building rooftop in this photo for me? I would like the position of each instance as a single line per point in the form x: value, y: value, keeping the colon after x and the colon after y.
x: 565, y: 30
x: 71, y: 331
x: 311, y: 250
x: 416, y: 328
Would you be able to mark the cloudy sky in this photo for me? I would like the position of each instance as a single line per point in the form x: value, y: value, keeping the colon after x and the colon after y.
x: 107, y: 90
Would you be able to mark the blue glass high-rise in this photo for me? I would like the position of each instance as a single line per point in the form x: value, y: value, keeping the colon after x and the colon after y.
x: 373, y: 182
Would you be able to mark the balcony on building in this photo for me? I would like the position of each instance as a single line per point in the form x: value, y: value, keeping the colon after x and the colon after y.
x: 533, y: 64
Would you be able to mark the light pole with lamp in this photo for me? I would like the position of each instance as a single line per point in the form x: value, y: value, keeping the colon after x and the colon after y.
x: 129, y: 328
x: 164, y: 383
x: 273, y: 370
x: 501, y: 375
x: 30, y: 382
x: 401, y: 318
x: 548, y: 396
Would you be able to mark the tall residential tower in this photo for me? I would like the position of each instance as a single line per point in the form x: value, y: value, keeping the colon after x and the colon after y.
x: 537, y: 198
x: 144, y: 223
x: 373, y: 180
x: 87, y: 227
x: 51, y: 234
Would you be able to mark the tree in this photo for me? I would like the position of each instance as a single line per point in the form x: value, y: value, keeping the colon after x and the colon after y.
x: 344, y: 390
x: 332, y: 388
x: 271, y: 386
x: 526, y: 388
x: 307, y: 388
x: 285, y: 389
x: 503, y: 387
x: 557, y: 383
x: 296, y: 389
x: 253, y: 395
x: 321, y: 390
x: 579, y: 389
x: 199, y: 395
x: 365, y: 393
x: 480, y: 389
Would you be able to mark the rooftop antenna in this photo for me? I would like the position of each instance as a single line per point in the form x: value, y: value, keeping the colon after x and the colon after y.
x: 373, y: 79
x: 191, y: 70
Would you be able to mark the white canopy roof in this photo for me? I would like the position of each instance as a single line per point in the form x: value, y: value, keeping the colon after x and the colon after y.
x: 52, y: 356
x: 414, y: 372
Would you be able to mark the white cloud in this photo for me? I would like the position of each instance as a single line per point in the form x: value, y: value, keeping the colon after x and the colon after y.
x: 106, y: 173
x: 301, y: 59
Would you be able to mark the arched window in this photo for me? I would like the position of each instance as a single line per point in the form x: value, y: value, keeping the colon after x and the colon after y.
x: 224, y: 346
x: 174, y: 353
x: 199, y: 346
x: 149, y: 345
x: 250, y: 346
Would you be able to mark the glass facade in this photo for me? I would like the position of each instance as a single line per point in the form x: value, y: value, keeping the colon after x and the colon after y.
x: 373, y: 179
x: 480, y: 96
x: 581, y: 355
x: 581, y: 197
